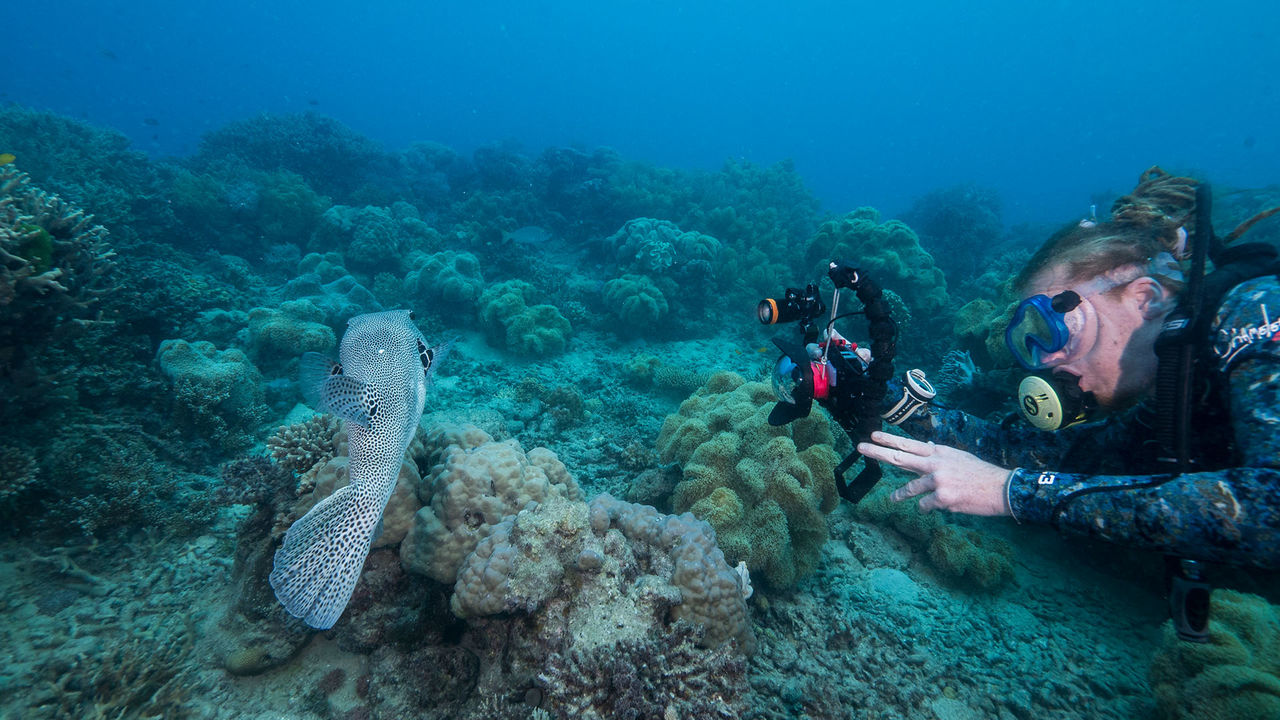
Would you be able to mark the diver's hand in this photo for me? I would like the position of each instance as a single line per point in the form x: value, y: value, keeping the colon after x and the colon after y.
x: 953, y: 479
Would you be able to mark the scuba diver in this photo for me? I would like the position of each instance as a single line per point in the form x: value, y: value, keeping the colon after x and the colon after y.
x: 1122, y: 317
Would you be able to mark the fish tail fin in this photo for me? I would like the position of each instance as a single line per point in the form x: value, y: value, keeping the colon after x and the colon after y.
x: 317, y: 566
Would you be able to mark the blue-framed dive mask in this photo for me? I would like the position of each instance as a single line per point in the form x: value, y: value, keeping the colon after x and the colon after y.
x: 1039, y: 328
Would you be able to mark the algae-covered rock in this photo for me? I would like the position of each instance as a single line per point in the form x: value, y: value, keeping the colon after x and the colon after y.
x: 1234, y: 675
x: 967, y: 556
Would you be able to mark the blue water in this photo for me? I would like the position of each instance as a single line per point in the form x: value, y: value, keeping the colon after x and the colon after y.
x: 1050, y: 103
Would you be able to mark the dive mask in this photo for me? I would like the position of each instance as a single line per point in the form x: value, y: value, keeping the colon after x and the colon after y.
x: 1039, y: 328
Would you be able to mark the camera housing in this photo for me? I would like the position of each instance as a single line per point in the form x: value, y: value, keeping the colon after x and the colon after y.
x: 802, y: 306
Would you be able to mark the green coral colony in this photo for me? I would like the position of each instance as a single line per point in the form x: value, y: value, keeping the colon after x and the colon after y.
x: 595, y: 518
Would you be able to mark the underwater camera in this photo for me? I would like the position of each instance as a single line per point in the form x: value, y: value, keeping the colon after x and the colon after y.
x: 849, y: 382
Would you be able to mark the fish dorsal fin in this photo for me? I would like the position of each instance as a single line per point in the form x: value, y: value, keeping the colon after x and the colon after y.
x: 328, y: 390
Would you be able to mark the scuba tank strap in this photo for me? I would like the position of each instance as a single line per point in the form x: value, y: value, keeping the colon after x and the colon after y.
x: 1186, y: 372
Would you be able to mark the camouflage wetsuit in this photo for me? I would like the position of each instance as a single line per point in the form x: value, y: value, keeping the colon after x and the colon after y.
x: 1229, y: 511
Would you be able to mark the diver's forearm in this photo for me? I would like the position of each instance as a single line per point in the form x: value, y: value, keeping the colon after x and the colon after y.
x: 1230, y: 516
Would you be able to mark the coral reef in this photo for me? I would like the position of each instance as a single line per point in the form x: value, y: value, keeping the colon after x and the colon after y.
x: 765, y: 489
x: 240, y: 210
x: 55, y: 266
x: 561, y: 549
x: 116, y: 478
x: 646, y: 678
x: 511, y: 323
x: 373, y: 238
x: 660, y: 248
x: 138, y: 677
x: 959, y: 226
x: 309, y: 145
x: 278, y: 336
x: 95, y: 168
x: 303, y: 447
x: 450, y: 279
x: 636, y: 302
x: 325, y: 282
x: 216, y: 393
x: 890, y: 252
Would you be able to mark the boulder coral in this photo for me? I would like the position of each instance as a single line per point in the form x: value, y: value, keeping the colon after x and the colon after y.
x: 586, y: 551
x: 445, y: 278
x: 471, y: 488
x: 659, y: 247
x: 281, y: 334
x: 373, y: 239
x: 217, y: 395
x: 766, y: 490
x: 325, y: 282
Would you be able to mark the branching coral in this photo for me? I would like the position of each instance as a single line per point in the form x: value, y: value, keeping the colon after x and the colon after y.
x: 646, y: 678
x: 302, y: 447
x: 18, y: 475
x: 143, y: 676
x: 48, y: 246
x: 55, y: 265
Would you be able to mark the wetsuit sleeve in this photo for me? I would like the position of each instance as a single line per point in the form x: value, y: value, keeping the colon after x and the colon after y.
x: 1230, y: 515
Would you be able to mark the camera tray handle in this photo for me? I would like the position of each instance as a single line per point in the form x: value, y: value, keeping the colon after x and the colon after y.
x: 874, y: 383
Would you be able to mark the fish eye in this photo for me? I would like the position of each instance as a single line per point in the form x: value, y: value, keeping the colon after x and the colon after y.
x: 412, y: 316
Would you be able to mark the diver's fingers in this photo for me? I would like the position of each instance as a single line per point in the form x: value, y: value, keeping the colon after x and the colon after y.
x: 897, y: 458
x: 929, y: 503
x: 919, y: 486
x: 906, y: 444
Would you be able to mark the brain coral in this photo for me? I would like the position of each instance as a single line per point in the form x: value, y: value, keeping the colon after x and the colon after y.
x: 766, y: 490
x: 890, y: 252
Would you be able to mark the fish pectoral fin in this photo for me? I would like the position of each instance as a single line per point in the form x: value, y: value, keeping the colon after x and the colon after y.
x: 347, y: 398
x: 328, y: 390
x: 314, y: 370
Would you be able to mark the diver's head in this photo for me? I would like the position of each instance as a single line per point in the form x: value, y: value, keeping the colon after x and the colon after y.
x: 1094, y: 299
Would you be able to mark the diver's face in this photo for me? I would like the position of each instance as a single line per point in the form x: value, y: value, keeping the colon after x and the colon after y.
x: 1112, y: 339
